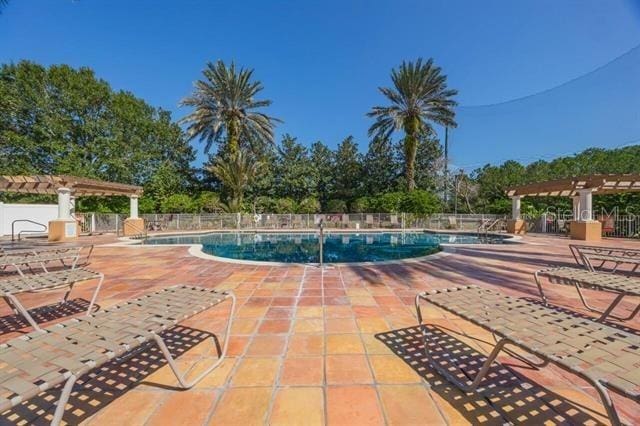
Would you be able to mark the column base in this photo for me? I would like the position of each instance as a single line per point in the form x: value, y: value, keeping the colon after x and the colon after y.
x: 133, y: 226
x: 586, y: 231
x: 63, y: 230
x: 516, y: 226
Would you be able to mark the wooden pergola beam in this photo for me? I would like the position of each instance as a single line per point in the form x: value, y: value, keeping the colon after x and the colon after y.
x: 599, y: 184
x: 48, y: 184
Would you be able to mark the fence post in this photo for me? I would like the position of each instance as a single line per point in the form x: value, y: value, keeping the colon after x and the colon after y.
x: 117, y: 225
x: 178, y: 221
x: 93, y: 223
x: 238, y: 219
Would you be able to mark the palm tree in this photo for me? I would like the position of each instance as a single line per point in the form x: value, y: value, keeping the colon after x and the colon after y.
x: 236, y: 171
x: 224, y: 108
x: 419, y: 98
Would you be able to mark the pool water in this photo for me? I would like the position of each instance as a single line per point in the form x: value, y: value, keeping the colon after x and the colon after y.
x: 338, y: 247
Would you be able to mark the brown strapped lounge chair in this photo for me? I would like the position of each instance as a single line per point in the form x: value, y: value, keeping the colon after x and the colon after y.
x: 36, y: 283
x: 604, y: 281
x: 607, y: 358
x: 62, y: 353
x: 585, y: 255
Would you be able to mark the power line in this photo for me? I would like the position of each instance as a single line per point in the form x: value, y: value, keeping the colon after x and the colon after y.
x: 595, y: 70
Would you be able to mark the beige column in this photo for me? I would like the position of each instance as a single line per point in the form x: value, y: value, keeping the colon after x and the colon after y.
x: 516, y: 225
x: 585, y: 228
x: 133, y: 225
x: 64, y: 228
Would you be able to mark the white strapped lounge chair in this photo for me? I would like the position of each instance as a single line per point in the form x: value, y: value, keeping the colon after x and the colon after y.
x: 36, y: 283
x: 64, y: 352
x: 604, y: 356
x: 603, y: 281
x: 586, y: 256
x: 42, y: 258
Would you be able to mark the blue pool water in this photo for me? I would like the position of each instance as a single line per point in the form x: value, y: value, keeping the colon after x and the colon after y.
x: 338, y: 247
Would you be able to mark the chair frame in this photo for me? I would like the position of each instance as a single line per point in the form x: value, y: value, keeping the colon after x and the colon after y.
x: 500, y: 345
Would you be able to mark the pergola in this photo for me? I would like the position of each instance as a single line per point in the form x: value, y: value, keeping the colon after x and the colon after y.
x: 581, y: 189
x: 67, y: 188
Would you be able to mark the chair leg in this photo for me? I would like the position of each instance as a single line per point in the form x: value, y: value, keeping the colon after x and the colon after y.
x: 21, y: 309
x: 607, y: 312
x: 62, y: 402
x: 450, y: 377
x: 607, y: 402
x: 174, y: 367
x: 95, y: 294
x: 539, y: 284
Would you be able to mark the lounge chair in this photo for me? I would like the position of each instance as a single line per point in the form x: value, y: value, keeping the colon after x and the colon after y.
x: 453, y: 222
x: 606, y: 357
x: 36, y: 283
x: 42, y: 258
x: 585, y: 255
x: 603, y: 281
x: 369, y: 220
x: 64, y: 352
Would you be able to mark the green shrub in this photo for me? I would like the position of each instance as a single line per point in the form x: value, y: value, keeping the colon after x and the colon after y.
x: 264, y: 204
x: 208, y: 202
x: 309, y: 205
x: 178, y: 203
x: 361, y: 205
x: 387, y: 203
x: 420, y: 202
x: 284, y: 205
x: 147, y: 204
x: 336, y: 206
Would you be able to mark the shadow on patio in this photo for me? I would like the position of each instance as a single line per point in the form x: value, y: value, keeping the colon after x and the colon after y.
x: 97, y: 390
x: 508, y: 397
x: 44, y: 314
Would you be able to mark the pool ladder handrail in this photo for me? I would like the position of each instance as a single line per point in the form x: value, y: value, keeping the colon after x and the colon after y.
x: 321, y: 240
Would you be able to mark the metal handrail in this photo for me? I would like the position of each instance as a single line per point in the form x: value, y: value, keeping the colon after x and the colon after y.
x: 25, y: 230
x: 321, y: 226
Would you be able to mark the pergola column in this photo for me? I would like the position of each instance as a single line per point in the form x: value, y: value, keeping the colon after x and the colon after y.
x: 515, y: 207
x: 516, y: 225
x: 584, y: 227
x: 133, y: 207
x: 133, y: 225
x: 64, y: 227
x: 576, y: 207
x: 586, y: 203
x: 64, y: 203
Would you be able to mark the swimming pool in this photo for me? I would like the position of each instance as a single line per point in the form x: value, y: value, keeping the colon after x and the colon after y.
x: 338, y: 247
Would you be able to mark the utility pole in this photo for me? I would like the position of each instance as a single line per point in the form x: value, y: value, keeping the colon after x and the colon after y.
x: 446, y: 165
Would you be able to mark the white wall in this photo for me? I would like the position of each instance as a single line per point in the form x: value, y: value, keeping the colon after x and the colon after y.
x: 41, y: 213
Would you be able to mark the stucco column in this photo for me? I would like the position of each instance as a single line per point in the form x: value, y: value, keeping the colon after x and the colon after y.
x: 133, y: 207
x: 586, y: 202
x: 64, y: 203
x: 585, y: 228
x: 515, y: 207
x: 576, y: 207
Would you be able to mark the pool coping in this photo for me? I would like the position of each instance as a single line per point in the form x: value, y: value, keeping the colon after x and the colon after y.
x: 196, y: 250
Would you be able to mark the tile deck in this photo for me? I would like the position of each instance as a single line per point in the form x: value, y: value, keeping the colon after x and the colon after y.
x: 337, y: 347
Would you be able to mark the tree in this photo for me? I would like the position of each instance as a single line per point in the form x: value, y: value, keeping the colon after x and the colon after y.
x: 294, y: 170
x: 420, y: 202
x: 380, y: 167
x: 309, y: 205
x: 235, y: 173
x: 62, y: 120
x: 347, y: 174
x: 178, y: 203
x: 419, y: 98
x: 225, y: 109
x: 323, y: 162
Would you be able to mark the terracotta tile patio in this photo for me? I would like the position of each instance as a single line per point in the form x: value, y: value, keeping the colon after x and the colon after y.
x: 312, y: 347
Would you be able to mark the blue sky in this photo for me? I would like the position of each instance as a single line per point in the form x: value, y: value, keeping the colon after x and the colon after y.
x: 322, y: 61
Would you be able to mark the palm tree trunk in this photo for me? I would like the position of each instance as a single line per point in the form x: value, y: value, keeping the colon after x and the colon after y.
x: 410, y: 150
x: 233, y: 132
